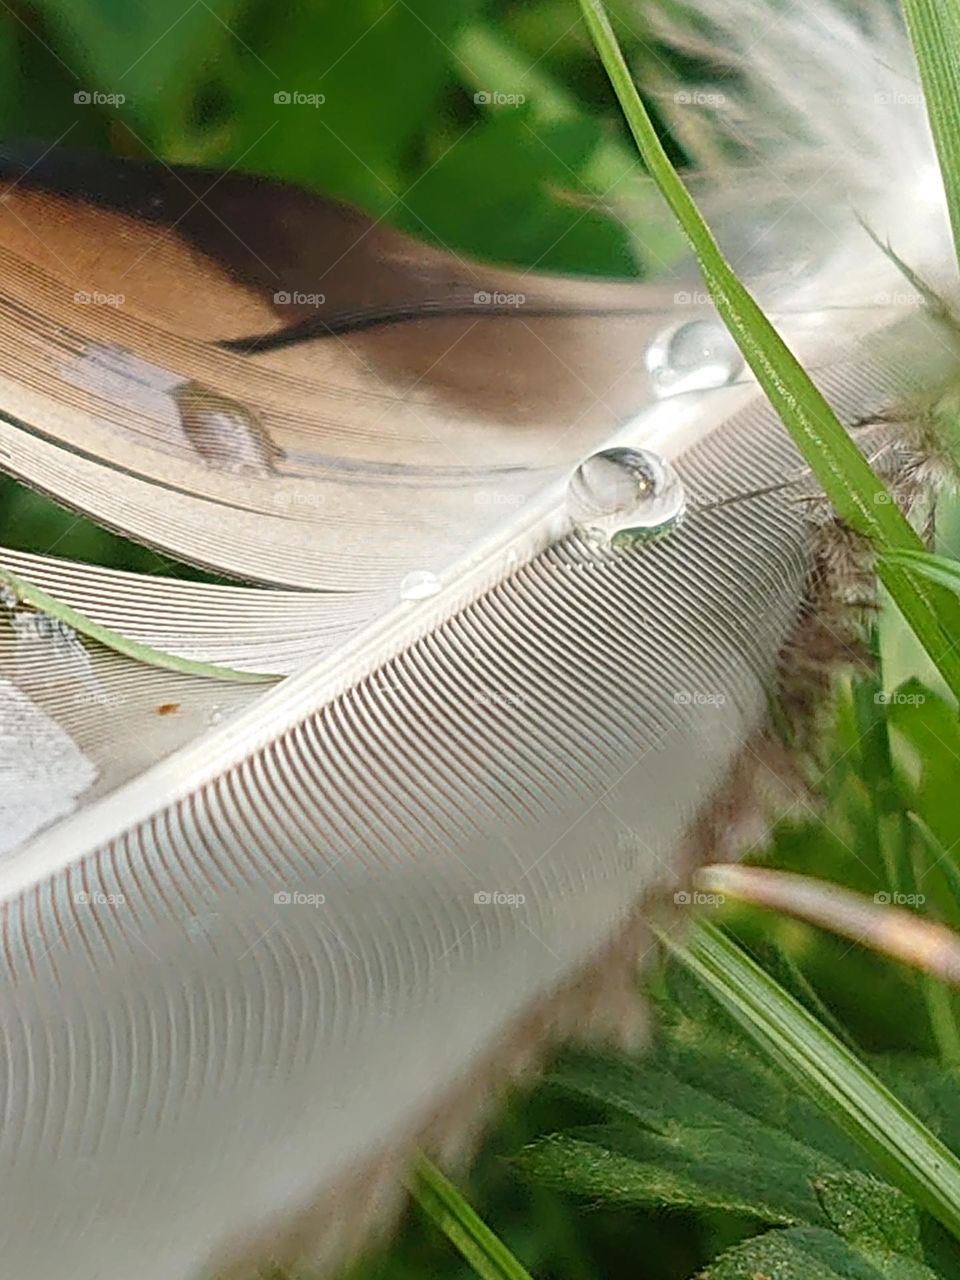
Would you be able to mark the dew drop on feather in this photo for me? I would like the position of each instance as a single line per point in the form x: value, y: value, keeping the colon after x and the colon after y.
x: 697, y: 355
x: 226, y: 433
x: 625, y: 494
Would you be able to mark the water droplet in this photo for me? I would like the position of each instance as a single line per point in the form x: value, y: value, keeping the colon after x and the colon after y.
x: 697, y: 355
x: 224, y: 432
x: 8, y: 597
x: 419, y: 585
x: 625, y: 494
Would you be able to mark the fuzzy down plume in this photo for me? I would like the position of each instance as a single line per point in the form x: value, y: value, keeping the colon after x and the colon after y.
x: 814, y: 143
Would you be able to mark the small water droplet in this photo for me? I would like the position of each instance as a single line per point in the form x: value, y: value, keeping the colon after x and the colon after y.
x: 224, y: 432
x: 8, y: 597
x: 697, y: 355
x: 419, y: 585
x: 625, y: 494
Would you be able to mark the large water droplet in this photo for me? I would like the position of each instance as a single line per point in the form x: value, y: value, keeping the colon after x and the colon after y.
x: 625, y: 494
x: 172, y: 411
x: 696, y: 355
x: 223, y: 431
x: 419, y: 585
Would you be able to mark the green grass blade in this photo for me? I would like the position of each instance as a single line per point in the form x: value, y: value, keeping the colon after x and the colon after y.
x: 946, y: 573
x: 910, y: 1156
x: 36, y: 598
x: 464, y: 1228
x: 858, y: 495
x: 937, y: 855
x: 934, y: 27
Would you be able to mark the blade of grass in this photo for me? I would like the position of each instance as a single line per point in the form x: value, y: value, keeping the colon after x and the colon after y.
x: 938, y: 856
x: 934, y: 27
x: 464, y: 1228
x: 936, y: 995
x: 858, y: 495
x: 928, y: 853
x: 946, y: 573
x: 26, y: 593
x: 910, y: 1156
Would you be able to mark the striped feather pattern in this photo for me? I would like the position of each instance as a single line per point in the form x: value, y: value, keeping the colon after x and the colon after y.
x: 248, y: 972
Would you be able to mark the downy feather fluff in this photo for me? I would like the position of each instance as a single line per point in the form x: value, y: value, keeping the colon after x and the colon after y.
x: 252, y: 965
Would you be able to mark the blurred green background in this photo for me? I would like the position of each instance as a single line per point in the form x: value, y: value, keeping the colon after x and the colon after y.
x: 547, y: 179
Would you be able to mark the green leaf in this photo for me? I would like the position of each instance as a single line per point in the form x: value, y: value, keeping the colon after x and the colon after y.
x: 938, y: 569
x: 907, y: 1152
x: 701, y: 1122
x: 810, y: 1253
x: 511, y: 162
x: 723, y: 1162
x: 934, y: 27
x: 365, y: 142
x: 871, y: 1214
x: 857, y: 494
x: 146, y: 52
x: 446, y: 1207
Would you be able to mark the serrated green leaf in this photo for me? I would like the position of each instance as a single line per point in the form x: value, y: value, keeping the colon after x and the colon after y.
x: 702, y: 1122
x: 810, y: 1253
x: 908, y: 1153
x: 870, y: 1213
x: 739, y: 1167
